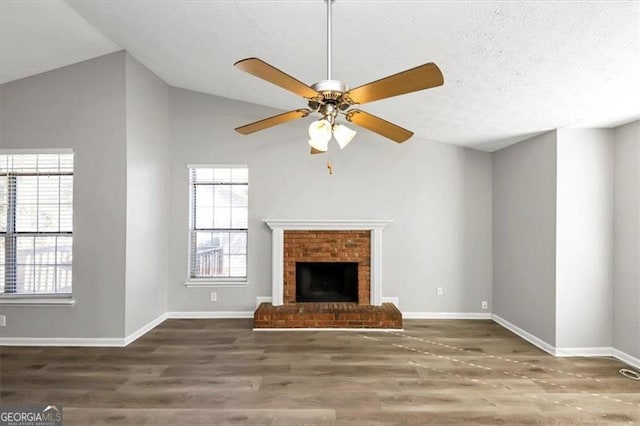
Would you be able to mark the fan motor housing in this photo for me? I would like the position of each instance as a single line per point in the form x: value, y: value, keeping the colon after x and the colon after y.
x: 330, y: 86
x: 332, y: 91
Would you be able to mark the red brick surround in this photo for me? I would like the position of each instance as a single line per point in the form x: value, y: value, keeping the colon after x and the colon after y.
x: 327, y: 246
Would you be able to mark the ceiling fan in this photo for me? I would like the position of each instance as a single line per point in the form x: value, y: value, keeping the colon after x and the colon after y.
x: 331, y: 98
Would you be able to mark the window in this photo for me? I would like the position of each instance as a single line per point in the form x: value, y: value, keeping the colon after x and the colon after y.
x: 36, y: 223
x: 218, y: 223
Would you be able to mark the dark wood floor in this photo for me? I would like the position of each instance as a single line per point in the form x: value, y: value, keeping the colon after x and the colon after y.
x: 188, y: 372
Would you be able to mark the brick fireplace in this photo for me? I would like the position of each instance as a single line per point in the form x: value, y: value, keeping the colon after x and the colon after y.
x: 339, y: 242
x: 327, y: 246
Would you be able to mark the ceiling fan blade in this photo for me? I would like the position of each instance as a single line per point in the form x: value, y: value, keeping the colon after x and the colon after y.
x: 316, y: 151
x: 419, y: 78
x: 272, y: 121
x: 378, y: 125
x: 273, y: 75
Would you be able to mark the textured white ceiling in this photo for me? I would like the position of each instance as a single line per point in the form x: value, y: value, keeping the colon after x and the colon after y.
x: 38, y: 36
x: 512, y: 69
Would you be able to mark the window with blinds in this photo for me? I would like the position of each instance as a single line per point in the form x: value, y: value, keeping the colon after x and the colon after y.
x: 218, y: 222
x: 36, y: 223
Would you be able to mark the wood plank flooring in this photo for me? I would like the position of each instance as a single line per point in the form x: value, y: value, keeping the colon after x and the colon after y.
x: 188, y: 372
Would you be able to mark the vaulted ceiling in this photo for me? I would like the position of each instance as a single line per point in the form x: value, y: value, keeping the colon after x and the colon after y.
x: 512, y: 69
x: 38, y: 36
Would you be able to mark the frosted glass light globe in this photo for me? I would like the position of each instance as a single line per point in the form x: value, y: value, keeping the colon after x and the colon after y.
x: 343, y: 135
x: 320, y: 134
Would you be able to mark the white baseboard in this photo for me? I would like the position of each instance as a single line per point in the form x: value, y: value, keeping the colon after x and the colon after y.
x: 569, y: 352
x: 394, y: 300
x: 262, y: 299
x: 446, y: 315
x: 536, y: 341
x: 84, y: 341
x: 210, y: 314
x: 117, y: 341
x: 604, y: 351
x: 62, y: 341
x: 586, y: 351
x: 625, y: 357
x: 145, y: 329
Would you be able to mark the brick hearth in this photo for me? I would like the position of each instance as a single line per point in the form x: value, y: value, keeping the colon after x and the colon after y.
x: 327, y: 315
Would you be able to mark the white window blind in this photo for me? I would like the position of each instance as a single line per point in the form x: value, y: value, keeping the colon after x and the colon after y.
x: 219, y: 200
x: 36, y: 223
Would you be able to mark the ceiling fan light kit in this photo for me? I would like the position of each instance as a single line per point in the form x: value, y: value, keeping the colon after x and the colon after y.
x: 320, y: 134
x: 332, y: 98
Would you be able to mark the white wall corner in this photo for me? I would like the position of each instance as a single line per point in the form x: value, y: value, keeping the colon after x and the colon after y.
x: 603, y: 351
x: 145, y: 329
x: 536, y: 341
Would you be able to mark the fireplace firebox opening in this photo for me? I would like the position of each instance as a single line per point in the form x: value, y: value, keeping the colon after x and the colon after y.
x: 323, y: 282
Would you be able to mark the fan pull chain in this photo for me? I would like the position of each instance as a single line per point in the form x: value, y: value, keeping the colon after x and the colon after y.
x: 329, y: 163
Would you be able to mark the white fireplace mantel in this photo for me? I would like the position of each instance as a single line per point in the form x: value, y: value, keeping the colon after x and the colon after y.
x: 278, y: 227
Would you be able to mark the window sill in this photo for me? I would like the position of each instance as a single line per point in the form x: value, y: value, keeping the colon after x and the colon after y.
x: 37, y: 301
x: 216, y: 283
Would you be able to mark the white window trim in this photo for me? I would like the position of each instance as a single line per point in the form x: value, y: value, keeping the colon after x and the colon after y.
x: 217, y: 166
x: 39, y: 299
x: 211, y: 282
x: 32, y: 151
x: 216, y: 282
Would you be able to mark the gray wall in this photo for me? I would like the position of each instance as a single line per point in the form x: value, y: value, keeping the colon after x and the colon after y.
x: 81, y: 106
x: 584, y: 227
x: 626, y: 288
x: 438, y: 195
x: 147, y: 195
x: 524, y: 235
x: 453, y: 224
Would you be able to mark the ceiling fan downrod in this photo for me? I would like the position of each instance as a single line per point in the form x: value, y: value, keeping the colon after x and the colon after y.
x: 332, y: 90
x: 329, y: 31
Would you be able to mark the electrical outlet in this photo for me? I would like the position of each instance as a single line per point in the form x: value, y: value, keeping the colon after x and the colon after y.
x: 485, y: 304
x: 214, y: 296
x: 3, y: 320
x: 439, y: 291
